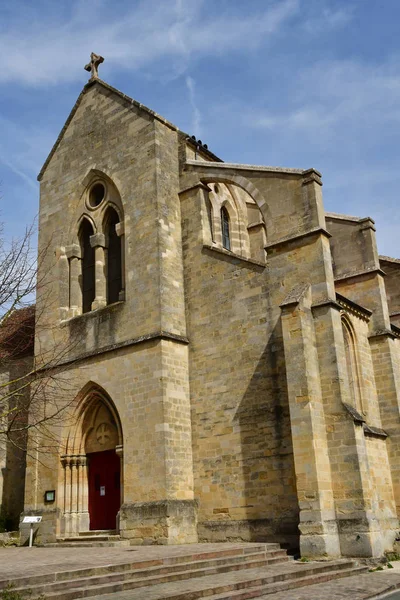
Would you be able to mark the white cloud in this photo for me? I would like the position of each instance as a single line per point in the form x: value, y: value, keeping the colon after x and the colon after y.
x: 22, y: 150
x: 37, y: 51
x: 196, y: 124
x: 339, y: 94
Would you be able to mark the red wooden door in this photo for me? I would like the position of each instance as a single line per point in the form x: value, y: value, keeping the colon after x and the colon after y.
x: 104, y: 489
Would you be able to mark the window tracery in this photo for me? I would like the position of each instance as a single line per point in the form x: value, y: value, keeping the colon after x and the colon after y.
x: 96, y: 255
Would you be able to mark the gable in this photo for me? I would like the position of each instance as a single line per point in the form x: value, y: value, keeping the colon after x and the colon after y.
x: 112, y: 98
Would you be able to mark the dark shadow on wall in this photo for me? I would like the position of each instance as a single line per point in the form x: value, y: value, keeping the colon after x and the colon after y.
x: 267, y: 453
x: 13, y: 471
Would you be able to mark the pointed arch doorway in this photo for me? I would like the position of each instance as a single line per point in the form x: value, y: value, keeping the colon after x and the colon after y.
x: 93, y: 467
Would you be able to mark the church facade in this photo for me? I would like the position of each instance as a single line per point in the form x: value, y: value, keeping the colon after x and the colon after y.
x: 230, y: 351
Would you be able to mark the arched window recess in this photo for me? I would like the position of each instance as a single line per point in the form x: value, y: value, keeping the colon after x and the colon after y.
x: 351, y: 364
x: 113, y: 232
x: 88, y: 277
x: 225, y: 229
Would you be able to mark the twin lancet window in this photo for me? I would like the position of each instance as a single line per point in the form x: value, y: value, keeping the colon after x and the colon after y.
x: 96, y: 275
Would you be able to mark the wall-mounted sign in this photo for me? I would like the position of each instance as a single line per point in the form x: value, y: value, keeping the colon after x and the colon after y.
x: 50, y: 496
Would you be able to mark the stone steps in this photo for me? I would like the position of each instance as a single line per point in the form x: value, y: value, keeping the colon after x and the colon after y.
x: 200, y: 559
x: 256, y: 584
x: 230, y: 573
x: 96, y: 539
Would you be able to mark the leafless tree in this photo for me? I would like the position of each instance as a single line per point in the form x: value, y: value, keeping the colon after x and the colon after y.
x: 34, y: 390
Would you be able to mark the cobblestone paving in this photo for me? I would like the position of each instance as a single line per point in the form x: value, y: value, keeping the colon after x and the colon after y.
x: 360, y: 587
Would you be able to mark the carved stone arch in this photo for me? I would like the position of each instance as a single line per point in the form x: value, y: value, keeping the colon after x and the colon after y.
x: 112, y: 196
x: 246, y: 185
x: 352, y: 362
x: 86, y: 401
x: 105, y: 213
x: 95, y: 435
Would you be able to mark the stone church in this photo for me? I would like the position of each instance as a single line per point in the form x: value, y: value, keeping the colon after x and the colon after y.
x: 230, y: 351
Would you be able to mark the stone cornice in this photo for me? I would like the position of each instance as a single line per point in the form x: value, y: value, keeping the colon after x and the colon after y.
x: 389, y: 259
x: 234, y: 257
x: 242, y: 167
x: 354, y: 308
x: 158, y: 335
x: 383, y: 333
x: 395, y: 330
x: 359, y: 274
x: 339, y: 217
x: 297, y: 237
x: 200, y: 185
x: 326, y: 303
x: 374, y: 431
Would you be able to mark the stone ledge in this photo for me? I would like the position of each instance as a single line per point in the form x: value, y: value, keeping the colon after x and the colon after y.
x: 354, y: 308
x: 358, y: 274
x: 243, y: 167
x: 234, y: 257
x: 298, y: 237
x: 159, y: 335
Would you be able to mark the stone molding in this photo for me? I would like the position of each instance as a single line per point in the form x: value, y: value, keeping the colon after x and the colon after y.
x: 352, y: 307
x: 242, y: 167
x: 359, y: 420
x: 384, y: 333
x: 98, y: 240
x: 73, y: 251
x: 298, y: 237
x: 359, y: 274
x: 234, y: 257
x: 200, y: 185
x: 159, y: 335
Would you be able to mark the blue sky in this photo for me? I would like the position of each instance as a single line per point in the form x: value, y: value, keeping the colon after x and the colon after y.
x: 296, y: 83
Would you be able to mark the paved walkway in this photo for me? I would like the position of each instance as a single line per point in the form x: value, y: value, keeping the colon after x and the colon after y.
x: 24, y: 562
x: 360, y: 587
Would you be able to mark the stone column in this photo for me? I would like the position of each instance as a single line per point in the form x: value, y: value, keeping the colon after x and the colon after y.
x: 64, y: 283
x: 318, y: 528
x: 74, y: 492
x: 74, y: 255
x: 97, y: 241
x: 83, y: 495
x: 120, y: 231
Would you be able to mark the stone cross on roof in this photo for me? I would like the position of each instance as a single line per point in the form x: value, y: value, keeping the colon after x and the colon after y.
x: 93, y: 66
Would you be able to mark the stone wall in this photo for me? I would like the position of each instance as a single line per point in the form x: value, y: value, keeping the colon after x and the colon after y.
x: 12, y: 454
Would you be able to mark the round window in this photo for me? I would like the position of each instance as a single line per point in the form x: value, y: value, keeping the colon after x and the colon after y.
x: 97, y: 194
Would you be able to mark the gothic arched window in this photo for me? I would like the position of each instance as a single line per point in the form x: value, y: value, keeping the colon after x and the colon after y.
x: 114, y: 262
x: 226, y: 238
x: 351, y: 365
x: 88, y: 266
x: 210, y: 217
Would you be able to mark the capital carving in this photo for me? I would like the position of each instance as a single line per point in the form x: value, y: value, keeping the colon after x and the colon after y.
x: 73, y: 251
x: 98, y: 239
x: 120, y: 229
